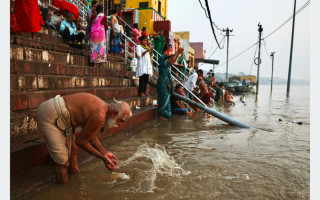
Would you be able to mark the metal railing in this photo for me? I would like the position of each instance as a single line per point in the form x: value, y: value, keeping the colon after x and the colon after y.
x: 83, y: 11
x: 157, y: 64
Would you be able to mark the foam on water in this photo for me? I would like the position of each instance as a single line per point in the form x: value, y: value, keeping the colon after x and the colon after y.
x: 162, y: 164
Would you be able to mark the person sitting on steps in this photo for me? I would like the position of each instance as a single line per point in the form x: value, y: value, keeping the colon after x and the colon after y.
x: 69, y: 31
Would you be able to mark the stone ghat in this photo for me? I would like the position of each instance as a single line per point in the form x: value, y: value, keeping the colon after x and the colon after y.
x: 43, y: 68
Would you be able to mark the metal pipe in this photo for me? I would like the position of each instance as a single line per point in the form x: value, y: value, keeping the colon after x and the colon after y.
x: 212, y: 112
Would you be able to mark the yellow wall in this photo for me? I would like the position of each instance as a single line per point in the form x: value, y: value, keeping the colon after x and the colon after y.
x: 145, y: 20
x: 191, y: 56
x: 183, y: 35
x: 152, y: 4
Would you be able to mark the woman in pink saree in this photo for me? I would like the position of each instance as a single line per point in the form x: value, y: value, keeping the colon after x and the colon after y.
x: 98, y: 43
x: 136, y: 34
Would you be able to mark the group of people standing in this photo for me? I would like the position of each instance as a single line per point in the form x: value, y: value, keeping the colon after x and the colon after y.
x: 98, y: 24
x: 144, y: 52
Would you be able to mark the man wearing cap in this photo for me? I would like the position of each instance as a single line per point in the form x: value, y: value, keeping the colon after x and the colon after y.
x: 57, y: 119
x: 68, y: 30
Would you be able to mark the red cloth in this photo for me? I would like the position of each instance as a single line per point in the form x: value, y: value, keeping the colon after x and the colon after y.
x: 64, y: 5
x: 28, y: 16
x: 206, y: 98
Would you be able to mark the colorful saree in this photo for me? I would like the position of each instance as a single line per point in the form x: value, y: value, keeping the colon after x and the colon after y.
x: 98, y: 43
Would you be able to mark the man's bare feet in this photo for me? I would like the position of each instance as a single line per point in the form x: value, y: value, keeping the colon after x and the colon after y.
x: 142, y: 94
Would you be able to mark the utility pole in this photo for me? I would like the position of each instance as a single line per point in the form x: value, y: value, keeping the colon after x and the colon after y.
x: 259, y: 60
x: 272, y: 55
x: 290, y: 61
x: 227, y: 34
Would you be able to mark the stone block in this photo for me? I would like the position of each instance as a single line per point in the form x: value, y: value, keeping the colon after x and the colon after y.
x: 23, y: 83
x: 18, y: 101
x: 33, y: 54
x: 46, y: 82
x: 16, y: 52
x: 65, y: 82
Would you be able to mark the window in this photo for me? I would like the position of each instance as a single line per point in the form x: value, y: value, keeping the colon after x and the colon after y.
x: 159, y: 7
x: 144, y: 5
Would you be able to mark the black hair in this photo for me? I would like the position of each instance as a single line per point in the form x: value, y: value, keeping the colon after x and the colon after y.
x: 165, y: 47
x: 94, y: 2
x: 221, y: 84
x: 177, y: 87
x: 200, y: 71
x: 142, y: 38
x: 135, y: 25
x: 99, y: 8
x: 113, y: 11
x: 144, y: 28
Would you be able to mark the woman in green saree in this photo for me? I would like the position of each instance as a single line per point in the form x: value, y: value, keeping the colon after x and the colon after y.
x: 165, y: 83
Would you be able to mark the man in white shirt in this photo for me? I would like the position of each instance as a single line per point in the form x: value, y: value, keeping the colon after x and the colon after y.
x: 191, y: 83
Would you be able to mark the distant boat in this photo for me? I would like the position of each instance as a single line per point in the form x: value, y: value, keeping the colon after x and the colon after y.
x: 238, y: 87
x: 236, y: 83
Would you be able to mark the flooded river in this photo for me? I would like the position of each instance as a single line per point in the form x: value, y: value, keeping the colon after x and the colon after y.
x: 197, y: 157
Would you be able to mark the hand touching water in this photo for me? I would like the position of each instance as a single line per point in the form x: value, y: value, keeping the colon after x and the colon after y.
x: 109, y: 161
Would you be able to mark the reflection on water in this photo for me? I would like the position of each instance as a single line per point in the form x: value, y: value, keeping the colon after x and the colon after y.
x: 197, y: 157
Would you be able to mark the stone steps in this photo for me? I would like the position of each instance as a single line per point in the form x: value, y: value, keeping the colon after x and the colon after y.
x: 53, y: 43
x: 30, y: 151
x: 42, y: 82
x: 110, y: 69
x: 43, y: 68
x: 31, y: 100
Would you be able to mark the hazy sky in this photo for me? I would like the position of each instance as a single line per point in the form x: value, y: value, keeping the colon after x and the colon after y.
x: 243, y: 17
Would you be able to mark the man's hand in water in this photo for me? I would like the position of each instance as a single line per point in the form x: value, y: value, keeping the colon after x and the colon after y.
x: 109, y: 161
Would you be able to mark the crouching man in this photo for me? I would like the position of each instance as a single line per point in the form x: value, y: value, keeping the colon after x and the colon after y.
x: 57, y: 119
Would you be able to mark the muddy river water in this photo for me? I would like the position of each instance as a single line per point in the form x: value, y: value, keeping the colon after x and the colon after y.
x: 197, y: 157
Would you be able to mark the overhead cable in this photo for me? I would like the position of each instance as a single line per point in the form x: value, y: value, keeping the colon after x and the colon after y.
x: 203, y: 9
x: 297, y: 12
x: 208, y: 9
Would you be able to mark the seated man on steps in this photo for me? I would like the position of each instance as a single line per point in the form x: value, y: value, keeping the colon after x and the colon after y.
x: 68, y: 30
x: 57, y: 119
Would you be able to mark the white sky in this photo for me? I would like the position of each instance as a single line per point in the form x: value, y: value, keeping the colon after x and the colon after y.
x: 243, y: 17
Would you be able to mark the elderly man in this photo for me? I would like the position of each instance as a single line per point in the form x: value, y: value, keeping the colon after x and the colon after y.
x: 57, y: 119
x: 69, y: 31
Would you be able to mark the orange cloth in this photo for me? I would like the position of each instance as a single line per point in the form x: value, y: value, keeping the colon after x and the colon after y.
x: 28, y: 16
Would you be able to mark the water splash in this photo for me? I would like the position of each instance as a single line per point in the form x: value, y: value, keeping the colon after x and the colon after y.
x: 162, y: 164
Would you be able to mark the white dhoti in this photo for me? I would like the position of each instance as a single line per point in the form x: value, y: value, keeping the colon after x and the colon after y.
x: 54, y: 121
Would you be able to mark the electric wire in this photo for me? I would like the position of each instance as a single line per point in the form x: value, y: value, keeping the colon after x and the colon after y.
x: 203, y: 9
x: 209, y: 14
x: 297, y: 12
x: 284, y: 23
x: 223, y: 39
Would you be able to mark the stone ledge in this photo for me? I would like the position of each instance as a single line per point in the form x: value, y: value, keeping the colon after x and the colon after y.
x: 109, y: 69
x: 30, y: 83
